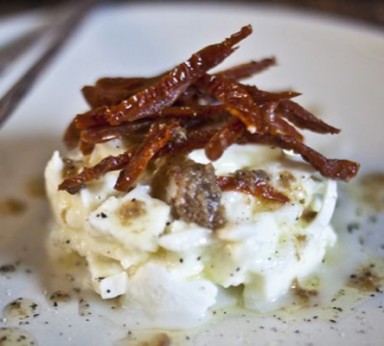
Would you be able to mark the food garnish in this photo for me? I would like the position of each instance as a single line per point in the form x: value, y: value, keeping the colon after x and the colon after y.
x: 186, y: 108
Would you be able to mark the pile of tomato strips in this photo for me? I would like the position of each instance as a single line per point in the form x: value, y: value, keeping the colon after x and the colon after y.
x: 187, y: 108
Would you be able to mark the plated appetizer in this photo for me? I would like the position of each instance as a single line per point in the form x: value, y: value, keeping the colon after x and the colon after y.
x: 188, y: 186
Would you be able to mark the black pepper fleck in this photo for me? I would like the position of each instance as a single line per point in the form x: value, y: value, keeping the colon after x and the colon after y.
x: 353, y: 226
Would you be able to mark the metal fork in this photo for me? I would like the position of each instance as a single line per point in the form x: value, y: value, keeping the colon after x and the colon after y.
x: 57, y: 34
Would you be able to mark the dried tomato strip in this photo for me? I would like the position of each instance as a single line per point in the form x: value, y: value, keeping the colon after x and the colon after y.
x: 126, y: 83
x: 158, y: 136
x: 260, y: 187
x: 192, y: 111
x: 223, y: 138
x: 71, y: 136
x: 86, y: 148
x: 330, y: 168
x: 101, y: 134
x: 235, y: 99
x: 192, y: 140
x: 266, y: 96
x: 111, y: 91
x: 169, y: 87
x: 248, y: 69
x: 84, y: 121
x: 280, y: 126
x: 106, y: 133
x: 110, y: 163
x: 304, y: 119
x: 274, y: 124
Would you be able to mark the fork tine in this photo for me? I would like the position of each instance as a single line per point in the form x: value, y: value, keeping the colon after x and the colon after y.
x: 17, y: 47
x: 12, y: 98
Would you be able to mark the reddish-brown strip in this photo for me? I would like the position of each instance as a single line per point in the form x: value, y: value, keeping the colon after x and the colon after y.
x: 223, y: 138
x: 330, y: 168
x: 163, y: 92
x: 304, y: 119
x: 259, y: 188
x: 158, y: 136
x: 110, y: 163
x: 248, y: 69
x: 235, y: 98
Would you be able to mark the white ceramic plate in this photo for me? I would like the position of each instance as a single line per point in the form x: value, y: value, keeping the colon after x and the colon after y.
x: 339, y: 68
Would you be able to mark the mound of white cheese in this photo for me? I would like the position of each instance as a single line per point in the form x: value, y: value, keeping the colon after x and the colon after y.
x: 134, y: 248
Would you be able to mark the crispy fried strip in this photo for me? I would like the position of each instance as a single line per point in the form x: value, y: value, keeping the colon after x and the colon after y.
x: 261, y: 188
x: 71, y: 136
x: 330, y: 168
x: 101, y: 134
x: 223, y: 138
x: 186, y: 109
x: 111, y: 91
x: 280, y: 126
x: 192, y: 111
x: 274, y: 124
x: 304, y: 119
x: 110, y: 163
x: 235, y: 99
x: 158, y: 136
x: 168, y: 88
x: 106, y: 133
x: 261, y: 96
x: 194, y: 139
x: 86, y: 148
x: 248, y: 69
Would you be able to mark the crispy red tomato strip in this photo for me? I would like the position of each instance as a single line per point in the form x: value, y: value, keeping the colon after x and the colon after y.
x: 258, y: 187
x: 102, y: 134
x: 71, y: 136
x: 192, y: 140
x: 111, y: 91
x: 223, y: 138
x: 304, y: 119
x: 168, y: 88
x: 186, y: 109
x: 235, y: 99
x: 106, y: 133
x: 274, y: 124
x: 158, y: 136
x: 330, y: 168
x: 110, y: 163
x: 248, y: 69
x: 261, y: 96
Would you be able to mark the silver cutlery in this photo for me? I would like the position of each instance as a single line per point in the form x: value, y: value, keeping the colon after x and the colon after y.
x: 57, y: 34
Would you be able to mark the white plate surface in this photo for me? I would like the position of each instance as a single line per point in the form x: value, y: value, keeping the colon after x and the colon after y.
x: 337, y: 66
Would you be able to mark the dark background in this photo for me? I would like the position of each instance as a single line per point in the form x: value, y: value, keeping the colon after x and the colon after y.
x: 368, y: 11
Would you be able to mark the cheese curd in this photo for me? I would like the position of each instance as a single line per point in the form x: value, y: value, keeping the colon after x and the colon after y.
x: 135, y: 249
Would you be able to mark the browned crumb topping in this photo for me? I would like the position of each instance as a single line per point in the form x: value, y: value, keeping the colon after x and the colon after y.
x: 192, y: 190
